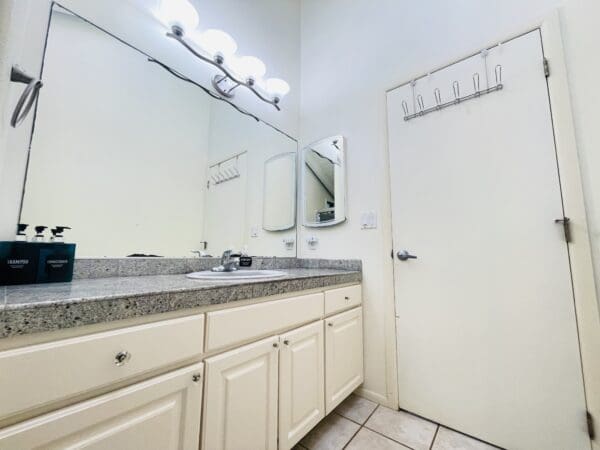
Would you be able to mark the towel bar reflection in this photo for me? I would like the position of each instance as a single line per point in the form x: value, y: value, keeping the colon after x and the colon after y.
x: 27, y: 98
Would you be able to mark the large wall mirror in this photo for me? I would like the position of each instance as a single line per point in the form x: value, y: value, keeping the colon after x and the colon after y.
x: 324, y: 182
x: 139, y: 162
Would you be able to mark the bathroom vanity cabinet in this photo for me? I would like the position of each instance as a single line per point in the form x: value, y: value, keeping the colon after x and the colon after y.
x: 258, y: 376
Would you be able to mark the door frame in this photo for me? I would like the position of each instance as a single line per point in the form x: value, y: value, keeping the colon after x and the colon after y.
x: 580, y: 251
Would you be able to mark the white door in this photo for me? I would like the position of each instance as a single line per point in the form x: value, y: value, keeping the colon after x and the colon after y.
x: 301, y: 383
x: 487, y: 338
x: 343, y: 356
x: 162, y: 413
x: 241, y: 398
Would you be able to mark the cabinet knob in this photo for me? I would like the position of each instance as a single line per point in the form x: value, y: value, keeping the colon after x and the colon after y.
x: 122, y: 357
x: 275, y: 344
x: 330, y: 324
x: 286, y: 342
x: 347, y: 298
x: 196, y: 377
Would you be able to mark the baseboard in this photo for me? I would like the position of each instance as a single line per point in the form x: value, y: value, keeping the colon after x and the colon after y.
x: 376, y: 397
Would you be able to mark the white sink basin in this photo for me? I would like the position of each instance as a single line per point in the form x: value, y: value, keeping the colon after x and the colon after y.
x: 236, y: 275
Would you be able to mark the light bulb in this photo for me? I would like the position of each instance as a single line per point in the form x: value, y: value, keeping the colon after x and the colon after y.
x: 277, y: 87
x: 217, y: 42
x: 178, y: 13
x: 248, y: 67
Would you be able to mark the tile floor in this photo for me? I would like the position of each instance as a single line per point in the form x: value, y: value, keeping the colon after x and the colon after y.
x: 359, y: 424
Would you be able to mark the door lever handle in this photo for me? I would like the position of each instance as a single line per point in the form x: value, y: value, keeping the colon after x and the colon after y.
x: 403, y: 255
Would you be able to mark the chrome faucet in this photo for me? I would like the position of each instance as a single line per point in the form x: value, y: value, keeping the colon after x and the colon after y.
x: 229, y: 262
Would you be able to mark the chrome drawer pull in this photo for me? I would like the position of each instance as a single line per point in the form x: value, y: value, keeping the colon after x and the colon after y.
x: 122, y: 357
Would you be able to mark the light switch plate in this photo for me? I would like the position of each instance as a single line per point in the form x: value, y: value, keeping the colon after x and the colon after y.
x: 254, y: 232
x: 368, y: 220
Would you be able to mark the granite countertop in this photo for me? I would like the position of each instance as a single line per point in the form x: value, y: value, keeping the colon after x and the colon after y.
x: 45, y: 307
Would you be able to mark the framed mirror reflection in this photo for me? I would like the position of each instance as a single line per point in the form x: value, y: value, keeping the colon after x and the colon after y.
x: 171, y: 170
x: 323, y: 171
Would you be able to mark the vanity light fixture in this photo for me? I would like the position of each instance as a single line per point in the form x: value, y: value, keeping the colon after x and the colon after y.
x: 178, y: 15
x: 218, y: 49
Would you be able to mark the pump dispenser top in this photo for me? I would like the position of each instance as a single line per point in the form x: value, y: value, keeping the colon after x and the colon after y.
x: 21, y: 236
x: 57, y: 233
x: 39, y: 233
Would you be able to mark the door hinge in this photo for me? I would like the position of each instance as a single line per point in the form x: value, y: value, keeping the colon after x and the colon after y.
x: 566, y: 223
x: 546, y: 67
x: 590, y: 425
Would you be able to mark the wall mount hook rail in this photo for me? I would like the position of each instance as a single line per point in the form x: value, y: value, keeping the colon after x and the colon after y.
x: 27, y: 98
x: 227, y: 82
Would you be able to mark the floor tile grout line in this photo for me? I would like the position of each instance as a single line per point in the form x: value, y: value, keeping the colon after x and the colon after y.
x: 359, y: 428
x: 387, y: 437
x: 347, y: 418
x: 352, y: 420
x: 352, y: 438
x: 381, y: 434
x: 437, y: 429
x: 369, y: 416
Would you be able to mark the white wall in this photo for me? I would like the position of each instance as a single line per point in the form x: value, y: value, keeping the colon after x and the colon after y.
x: 351, y: 53
x: 268, y: 29
x: 580, y: 35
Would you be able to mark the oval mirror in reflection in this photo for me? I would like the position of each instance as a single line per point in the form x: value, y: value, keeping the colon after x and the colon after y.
x: 324, y: 182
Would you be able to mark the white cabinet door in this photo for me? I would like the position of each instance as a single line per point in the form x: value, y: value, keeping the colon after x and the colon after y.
x: 301, y: 383
x: 343, y: 356
x: 162, y: 413
x: 241, y: 398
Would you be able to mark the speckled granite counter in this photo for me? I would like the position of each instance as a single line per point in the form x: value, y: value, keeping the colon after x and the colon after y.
x: 45, y: 307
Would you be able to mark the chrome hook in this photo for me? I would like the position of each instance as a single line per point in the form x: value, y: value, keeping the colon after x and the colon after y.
x: 438, y: 97
x: 456, y: 89
x: 421, y: 103
x: 405, y: 107
x: 498, y: 71
x: 476, y: 82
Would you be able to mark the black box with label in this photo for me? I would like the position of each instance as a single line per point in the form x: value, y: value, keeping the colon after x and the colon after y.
x: 33, y: 262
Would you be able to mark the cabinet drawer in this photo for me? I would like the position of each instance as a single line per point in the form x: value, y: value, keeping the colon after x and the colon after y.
x: 37, y: 375
x: 231, y: 326
x: 162, y: 413
x: 342, y: 298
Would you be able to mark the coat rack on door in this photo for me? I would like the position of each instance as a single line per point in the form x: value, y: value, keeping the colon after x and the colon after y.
x: 421, y: 110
